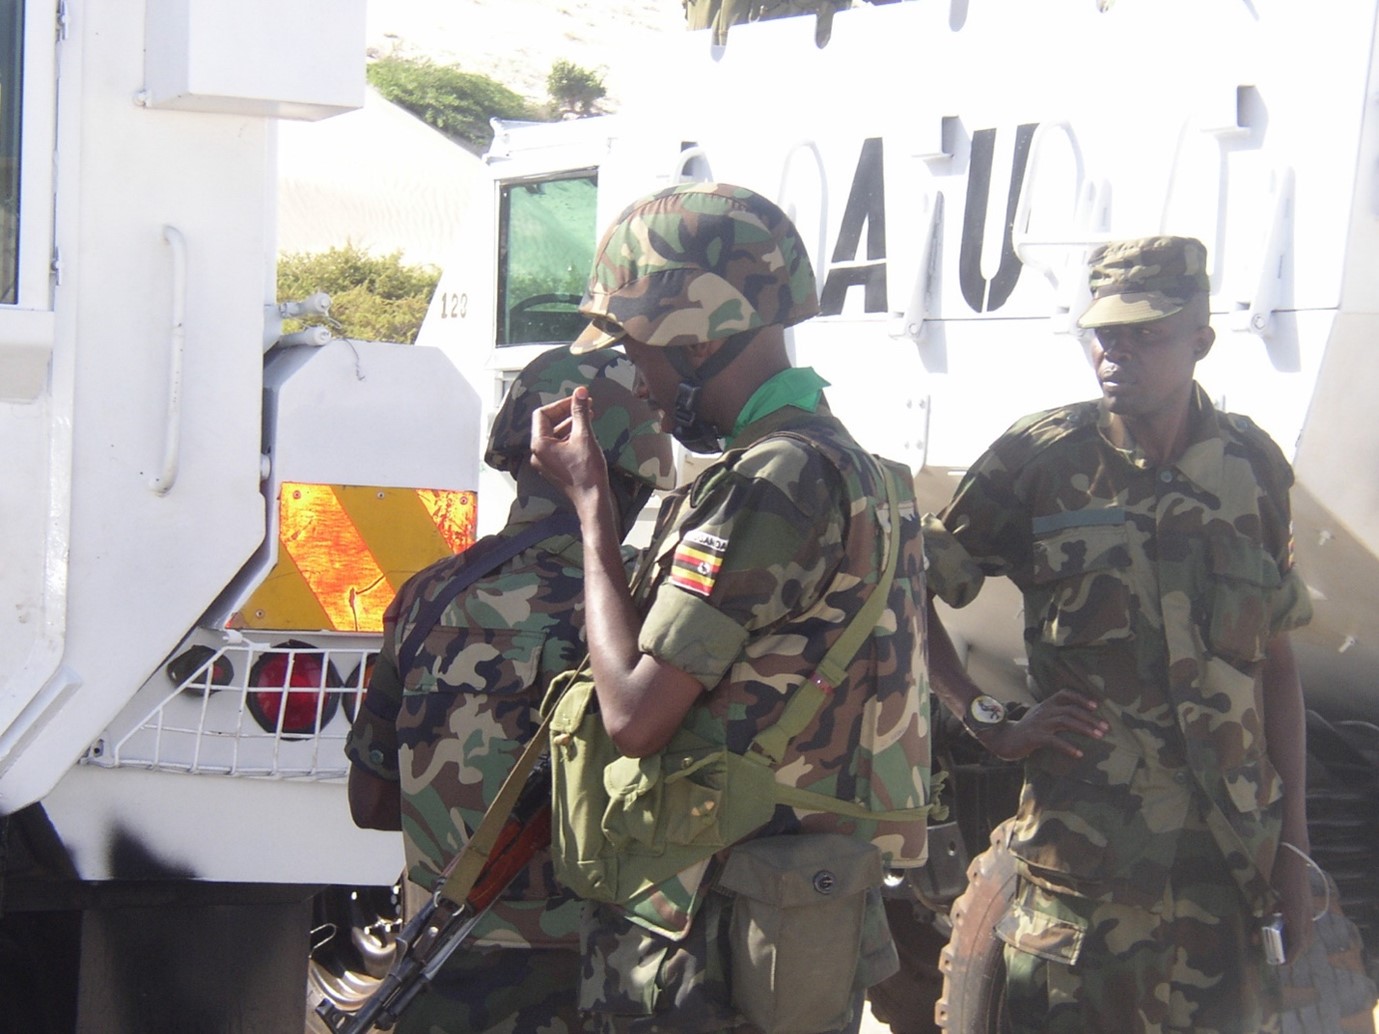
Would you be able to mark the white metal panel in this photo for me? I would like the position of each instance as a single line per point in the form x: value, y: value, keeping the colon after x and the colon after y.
x: 1258, y: 128
x: 35, y: 415
x: 141, y: 567
x: 287, y: 58
x: 371, y: 413
x: 361, y: 413
x: 216, y: 828
x: 897, y: 73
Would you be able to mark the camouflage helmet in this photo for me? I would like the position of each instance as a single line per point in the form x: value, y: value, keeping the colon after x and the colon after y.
x: 696, y: 262
x: 1145, y: 279
x: 626, y: 426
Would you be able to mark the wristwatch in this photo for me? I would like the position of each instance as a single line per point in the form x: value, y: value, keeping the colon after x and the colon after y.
x: 986, y: 711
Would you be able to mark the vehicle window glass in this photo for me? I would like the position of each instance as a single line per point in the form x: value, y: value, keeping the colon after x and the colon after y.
x: 546, y: 242
x: 11, y: 98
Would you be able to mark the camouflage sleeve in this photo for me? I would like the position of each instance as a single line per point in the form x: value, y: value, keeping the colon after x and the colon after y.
x: 1290, y: 606
x: 372, y: 740
x: 949, y: 570
x: 984, y: 529
x: 761, y: 542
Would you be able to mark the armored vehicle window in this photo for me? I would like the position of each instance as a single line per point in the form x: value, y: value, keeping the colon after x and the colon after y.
x: 546, y: 244
x: 11, y: 96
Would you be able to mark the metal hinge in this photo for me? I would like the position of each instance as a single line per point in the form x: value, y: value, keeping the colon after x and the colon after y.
x: 56, y: 267
x: 61, y: 20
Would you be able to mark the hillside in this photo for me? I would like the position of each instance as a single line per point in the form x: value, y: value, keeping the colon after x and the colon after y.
x: 517, y: 41
x: 383, y: 180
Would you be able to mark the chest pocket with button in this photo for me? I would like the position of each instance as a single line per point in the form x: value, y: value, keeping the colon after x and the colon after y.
x: 1080, y: 570
x: 1244, y: 579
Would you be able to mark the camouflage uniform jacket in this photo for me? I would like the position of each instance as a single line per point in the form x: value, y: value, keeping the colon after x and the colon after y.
x: 451, y: 728
x: 755, y: 571
x: 1154, y: 591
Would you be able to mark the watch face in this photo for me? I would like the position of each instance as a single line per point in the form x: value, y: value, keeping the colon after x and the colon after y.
x: 987, y: 710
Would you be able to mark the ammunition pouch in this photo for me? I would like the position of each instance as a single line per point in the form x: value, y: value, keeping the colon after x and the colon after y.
x: 808, y: 931
x: 621, y: 826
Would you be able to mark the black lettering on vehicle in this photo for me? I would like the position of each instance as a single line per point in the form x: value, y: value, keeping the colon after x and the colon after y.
x: 981, y: 295
x: 866, y: 207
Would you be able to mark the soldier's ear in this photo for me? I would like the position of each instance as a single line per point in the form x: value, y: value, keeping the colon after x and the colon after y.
x: 1206, y: 337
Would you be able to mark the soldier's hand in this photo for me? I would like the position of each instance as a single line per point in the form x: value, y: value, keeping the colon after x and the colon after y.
x: 564, y: 450
x: 1047, y: 724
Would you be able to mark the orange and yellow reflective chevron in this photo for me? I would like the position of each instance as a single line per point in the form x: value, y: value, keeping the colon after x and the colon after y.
x: 345, y: 550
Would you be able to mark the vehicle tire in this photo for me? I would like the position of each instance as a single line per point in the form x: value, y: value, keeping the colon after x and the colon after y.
x: 973, y: 963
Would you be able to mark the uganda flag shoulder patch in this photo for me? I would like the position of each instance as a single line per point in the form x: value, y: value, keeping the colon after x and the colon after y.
x: 697, y: 560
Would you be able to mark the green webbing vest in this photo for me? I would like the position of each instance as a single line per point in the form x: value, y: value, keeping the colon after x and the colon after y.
x: 622, y: 826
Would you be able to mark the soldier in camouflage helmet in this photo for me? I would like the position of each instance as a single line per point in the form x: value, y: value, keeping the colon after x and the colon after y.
x: 753, y: 574
x: 1162, y: 817
x: 450, y: 706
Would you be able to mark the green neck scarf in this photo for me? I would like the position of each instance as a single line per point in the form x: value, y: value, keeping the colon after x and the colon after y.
x: 799, y: 386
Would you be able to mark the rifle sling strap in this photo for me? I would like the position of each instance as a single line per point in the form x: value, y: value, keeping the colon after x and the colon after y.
x: 804, y: 704
x: 460, y: 875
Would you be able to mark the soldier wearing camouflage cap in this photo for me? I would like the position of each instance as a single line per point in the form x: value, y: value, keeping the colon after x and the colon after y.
x: 694, y: 269
x: 1162, y: 818
x: 451, y: 703
x: 753, y: 575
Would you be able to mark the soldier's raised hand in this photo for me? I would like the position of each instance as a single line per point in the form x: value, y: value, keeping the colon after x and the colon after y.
x: 566, y: 453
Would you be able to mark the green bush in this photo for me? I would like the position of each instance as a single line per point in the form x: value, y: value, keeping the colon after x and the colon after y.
x: 575, y: 89
x: 457, y: 103
x: 372, y: 298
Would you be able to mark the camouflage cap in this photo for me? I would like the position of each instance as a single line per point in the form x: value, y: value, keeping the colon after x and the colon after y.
x: 626, y: 426
x: 696, y: 262
x: 1145, y: 279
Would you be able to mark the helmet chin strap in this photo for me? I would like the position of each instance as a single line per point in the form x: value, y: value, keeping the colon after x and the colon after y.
x: 691, y: 430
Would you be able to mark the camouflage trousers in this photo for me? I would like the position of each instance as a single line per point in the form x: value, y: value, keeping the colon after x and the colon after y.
x: 1193, y: 962
x: 500, y: 991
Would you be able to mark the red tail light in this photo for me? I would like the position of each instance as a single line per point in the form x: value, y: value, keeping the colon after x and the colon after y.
x: 357, y: 685
x: 277, y: 705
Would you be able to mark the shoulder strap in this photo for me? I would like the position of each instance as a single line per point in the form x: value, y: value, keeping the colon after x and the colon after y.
x: 562, y: 523
x: 809, y: 697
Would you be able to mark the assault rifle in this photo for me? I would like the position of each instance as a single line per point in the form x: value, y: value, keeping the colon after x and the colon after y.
x: 443, y: 924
